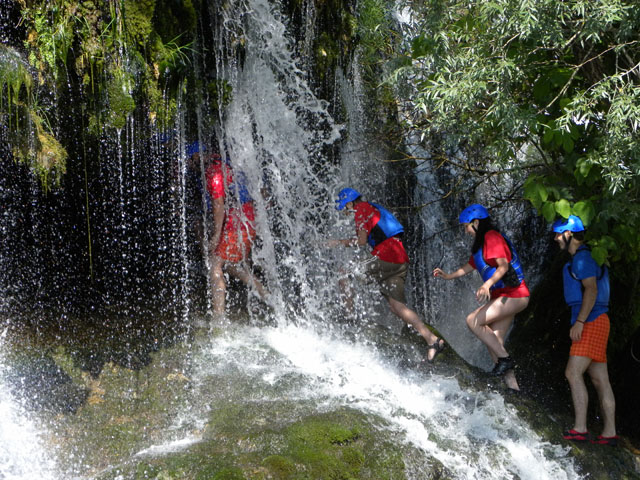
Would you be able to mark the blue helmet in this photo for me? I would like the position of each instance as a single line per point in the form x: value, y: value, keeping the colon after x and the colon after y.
x: 472, y: 212
x: 571, y: 224
x: 345, y: 196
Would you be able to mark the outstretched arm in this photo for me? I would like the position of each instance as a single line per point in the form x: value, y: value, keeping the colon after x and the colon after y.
x: 462, y: 271
x: 357, y: 241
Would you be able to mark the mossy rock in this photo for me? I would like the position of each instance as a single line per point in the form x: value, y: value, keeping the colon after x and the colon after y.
x: 342, y: 444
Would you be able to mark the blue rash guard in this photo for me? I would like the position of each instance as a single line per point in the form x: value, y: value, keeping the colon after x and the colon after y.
x: 582, y: 266
x: 388, y: 226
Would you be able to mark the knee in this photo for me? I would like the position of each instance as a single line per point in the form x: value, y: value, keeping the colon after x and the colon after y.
x: 472, y: 321
x: 572, y: 375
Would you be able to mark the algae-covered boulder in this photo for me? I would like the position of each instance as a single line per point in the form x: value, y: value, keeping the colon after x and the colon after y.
x: 248, y: 444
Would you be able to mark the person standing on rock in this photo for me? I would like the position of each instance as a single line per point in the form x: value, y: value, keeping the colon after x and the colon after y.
x: 586, y: 291
x: 389, y: 261
x: 504, y: 292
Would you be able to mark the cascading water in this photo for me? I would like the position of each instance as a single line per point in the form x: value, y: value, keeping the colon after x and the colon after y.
x: 22, y: 450
x: 276, y: 131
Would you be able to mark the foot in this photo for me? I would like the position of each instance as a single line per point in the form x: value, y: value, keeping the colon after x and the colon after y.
x: 503, y: 365
x: 434, y: 349
x: 575, y: 436
x: 602, y: 440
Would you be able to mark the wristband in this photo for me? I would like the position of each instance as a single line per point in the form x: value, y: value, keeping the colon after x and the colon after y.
x: 581, y: 321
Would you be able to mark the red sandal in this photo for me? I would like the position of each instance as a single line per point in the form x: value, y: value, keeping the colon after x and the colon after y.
x: 611, y: 441
x: 575, y: 436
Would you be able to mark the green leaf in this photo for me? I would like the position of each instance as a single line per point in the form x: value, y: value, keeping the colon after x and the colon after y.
x: 548, y: 135
x: 549, y: 211
x: 599, y: 254
x: 563, y: 207
x: 585, y: 210
x: 583, y: 167
x: 567, y: 144
x: 535, y: 192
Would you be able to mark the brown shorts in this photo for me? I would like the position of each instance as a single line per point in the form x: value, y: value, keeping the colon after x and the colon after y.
x: 389, y: 277
x: 593, y: 343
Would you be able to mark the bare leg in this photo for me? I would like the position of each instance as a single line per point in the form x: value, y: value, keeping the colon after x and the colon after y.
x: 500, y: 329
x: 346, y: 294
x: 600, y: 379
x: 218, y: 285
x: 576, y: 366
x: 241, y: 272
x: 501, y: 308
x: 411, y: 318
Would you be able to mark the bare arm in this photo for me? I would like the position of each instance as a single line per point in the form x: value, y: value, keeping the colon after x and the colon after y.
x: 359, y: 240
x: 462, y: 271
x: 484, y: 292
x: 588, y: 301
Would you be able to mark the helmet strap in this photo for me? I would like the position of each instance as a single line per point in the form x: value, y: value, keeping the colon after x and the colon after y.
x: 567, y: 243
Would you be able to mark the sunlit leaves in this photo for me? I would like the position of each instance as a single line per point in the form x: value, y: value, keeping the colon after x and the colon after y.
x: 585, y: 210
x: 550, y: 86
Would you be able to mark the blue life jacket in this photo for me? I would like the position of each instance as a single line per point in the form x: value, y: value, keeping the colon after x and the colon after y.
x: 573, y: 288
x: 237, y: 189
x: 388, y: 226
x: 513, y: 277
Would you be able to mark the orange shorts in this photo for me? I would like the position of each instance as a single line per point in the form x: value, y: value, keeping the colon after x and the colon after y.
x: 593, y: 343
x: 235, y: 245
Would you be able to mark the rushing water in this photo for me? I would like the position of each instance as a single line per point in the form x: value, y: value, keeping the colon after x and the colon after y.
x: 278, y: 133
x: 22, y: 450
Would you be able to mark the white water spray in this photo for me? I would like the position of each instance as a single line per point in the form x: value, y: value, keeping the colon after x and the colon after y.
x: 22, y: 452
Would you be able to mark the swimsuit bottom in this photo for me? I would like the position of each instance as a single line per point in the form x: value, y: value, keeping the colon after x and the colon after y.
x: 235, y: 245
x: 593, y: 343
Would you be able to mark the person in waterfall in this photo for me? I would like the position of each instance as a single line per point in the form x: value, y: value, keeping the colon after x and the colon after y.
x: 586, y: 291
x: 503, y: 293
x: 232, y: 230
x: 389, y: 261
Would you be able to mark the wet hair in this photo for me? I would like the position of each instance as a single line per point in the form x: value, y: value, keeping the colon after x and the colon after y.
x: 483, y: 227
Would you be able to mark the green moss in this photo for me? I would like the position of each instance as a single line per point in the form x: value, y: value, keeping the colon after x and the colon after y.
x: 121, y: 102
x: 13, y: 77
x: 220, y: 94
x: 175, y: 20
x: 138, y: 16
x: 279, y: 466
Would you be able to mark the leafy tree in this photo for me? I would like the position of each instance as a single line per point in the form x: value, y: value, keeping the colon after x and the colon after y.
x: 549, y: 88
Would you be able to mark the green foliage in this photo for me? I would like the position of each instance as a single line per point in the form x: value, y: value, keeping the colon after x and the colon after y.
x: 123, y: 53
x: 31, y: 139
x: 544, y: 87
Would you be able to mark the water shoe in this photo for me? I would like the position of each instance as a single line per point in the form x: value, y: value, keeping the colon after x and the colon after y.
x: 438, y: 346
x: 503, y: 365
x: 575, y: 436
x: 611, y: 441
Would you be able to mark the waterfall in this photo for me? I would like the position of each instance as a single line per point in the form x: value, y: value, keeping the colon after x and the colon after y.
x: 22, y: 450
x: 276, y: 132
